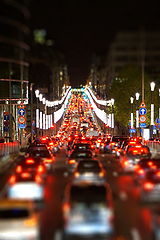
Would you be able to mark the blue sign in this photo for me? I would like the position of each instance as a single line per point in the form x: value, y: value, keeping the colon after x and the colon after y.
x: 6, y: 117
x: 5, y: 129
x: 21, y: 125
x: 132, y: 130
x: 142, y: 125
x: 142, y: 111
x: 21, y: 112
x: 157, y: 120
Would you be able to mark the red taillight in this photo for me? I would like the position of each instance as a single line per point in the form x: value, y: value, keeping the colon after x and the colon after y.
x: 19, y: 169
x: 40, y: 169
x: 29, y: 161
x: 135, y: 151
x: 25, y: 175
x: 38, y: 179
x: 158, y: 174
x: 12, y: 179
x: 112, y: 144
x: 148, y: 186
x: 125, y: 163
x: 43, y: 138
x: 48, y: 160
x: 71, y: 161
x: 99, y: 141
x: 101, y: 174
x: 66, y: 207
x: 154, y: 167
x: 76, y: 174
x: 51, y: 144
x: 150, y: 163
x: 140, y: 171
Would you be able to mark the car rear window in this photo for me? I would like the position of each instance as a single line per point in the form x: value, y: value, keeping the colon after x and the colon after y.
x: 88, y: 194
x: 13, y: 213
x: 40, y: 154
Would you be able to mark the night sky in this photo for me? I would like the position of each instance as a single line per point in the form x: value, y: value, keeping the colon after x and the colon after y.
x: 82, y: 28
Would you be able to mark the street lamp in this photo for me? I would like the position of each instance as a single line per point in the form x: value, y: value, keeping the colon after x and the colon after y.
x: 37, y: 93
x: 112, y: 115
x: 137, y: 112
x: 152, y: 86
x: 132, y: 121
x: 37, y: 113
x: 159, y: 104
x: 40, y: 97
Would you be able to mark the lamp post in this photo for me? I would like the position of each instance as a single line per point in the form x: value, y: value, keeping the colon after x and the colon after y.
x: 159, y: 103
x: 112, y: 116
x: 37, y: 112
x: 152, y: 86
x: 137, y: 111
x: 158, y: 110
x: 40, y: 116
x: 44, y: 115
x: 132, y: 120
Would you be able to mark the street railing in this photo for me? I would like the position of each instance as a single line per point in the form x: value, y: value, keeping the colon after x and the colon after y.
x: 154, y: 146
x: 9, y: 148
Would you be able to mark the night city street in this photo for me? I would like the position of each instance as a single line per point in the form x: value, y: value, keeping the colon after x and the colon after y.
x: 79, y: 120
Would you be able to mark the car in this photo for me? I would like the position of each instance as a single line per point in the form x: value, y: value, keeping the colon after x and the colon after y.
x: 18, y: 220
x: 133, y: 155
x: 25, y: 186
x: 89, y: 170
x: 150, y: 187
x: 45, y: 155
x: 31, y: 166
x: 145, y: 165
x: 76, y: 156
x: 87, y: 211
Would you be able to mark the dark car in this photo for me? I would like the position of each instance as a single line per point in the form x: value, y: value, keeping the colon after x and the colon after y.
x: 89, y: 170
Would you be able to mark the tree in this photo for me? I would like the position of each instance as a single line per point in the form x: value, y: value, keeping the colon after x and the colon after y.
x: 125, y: 85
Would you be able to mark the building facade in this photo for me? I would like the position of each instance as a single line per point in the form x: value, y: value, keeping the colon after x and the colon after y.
x: 14, y: 49
x: 136, y: 48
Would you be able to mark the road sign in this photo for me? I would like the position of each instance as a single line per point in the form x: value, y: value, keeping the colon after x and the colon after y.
x: 21, y: 111
x: 21, y: 120
x: 142, y: 111
x: 142, y: 118
x: 6, y: 116
x: 132, y: 130
x: 143, y: 105
x: 142, y: 125
x: 157, y: 120
x: 21, y: 106
x: 21, y: 125
x: 5, y: 128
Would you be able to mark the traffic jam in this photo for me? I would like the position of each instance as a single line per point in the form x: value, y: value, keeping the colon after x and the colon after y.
x: 82, y: 183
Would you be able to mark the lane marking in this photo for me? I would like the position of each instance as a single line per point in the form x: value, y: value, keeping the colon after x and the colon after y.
x: 135, y: 234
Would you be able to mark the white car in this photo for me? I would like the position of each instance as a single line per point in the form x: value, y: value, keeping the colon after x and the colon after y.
x: 18, y: 220
x: 26, y: 190
x: 86, y: 214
